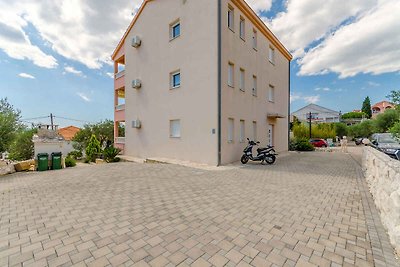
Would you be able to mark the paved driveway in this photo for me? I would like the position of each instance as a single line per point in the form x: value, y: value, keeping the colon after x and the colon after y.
x: 309, y: 209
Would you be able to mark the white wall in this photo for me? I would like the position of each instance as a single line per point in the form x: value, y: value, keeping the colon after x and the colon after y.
x: 383, y: 176
x: 55, y: 146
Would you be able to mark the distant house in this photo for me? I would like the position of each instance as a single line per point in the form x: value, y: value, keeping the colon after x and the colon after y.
x: 318, y: 113
x: 380, y: 107
x: 48, y: 140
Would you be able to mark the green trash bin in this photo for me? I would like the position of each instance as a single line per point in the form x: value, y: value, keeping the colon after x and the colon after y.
x: 43, y: 161
x: 56, y: 160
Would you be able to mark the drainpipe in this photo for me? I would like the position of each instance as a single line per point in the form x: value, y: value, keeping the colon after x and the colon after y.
x: 289, y: 108
x: 219, y: 79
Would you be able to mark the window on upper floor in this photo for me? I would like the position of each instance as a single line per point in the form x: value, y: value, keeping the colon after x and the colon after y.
x: 255, y: 39
x: 254, y: 85
x: 231, y: 18
x: 175, y: 30
x: 242, y: 28
x: 175, y: 79
x: 271, y: 93
x: 242, y: 80
x: 231, y: 68
x: 271, y: 55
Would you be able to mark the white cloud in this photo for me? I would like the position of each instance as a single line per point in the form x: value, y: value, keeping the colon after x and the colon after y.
x: 26, y: 75
x: 72, y: 70
x: 84, y: 31
x: 325, y: 89
x: 304, y: 22
x: 369, y: 45
x: 84, y: 97
x: 308, y: 99
x: 110, y: 74
x: 16, y: 44
x: 373, y: 84
x: 260, y: 5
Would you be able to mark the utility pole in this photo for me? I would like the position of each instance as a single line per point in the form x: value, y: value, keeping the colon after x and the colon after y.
x: 309, y: 120
x: 51, y: 119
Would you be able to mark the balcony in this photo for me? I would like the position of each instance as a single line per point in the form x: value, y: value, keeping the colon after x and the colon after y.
x: 119, y: 80
x: 120, y: 107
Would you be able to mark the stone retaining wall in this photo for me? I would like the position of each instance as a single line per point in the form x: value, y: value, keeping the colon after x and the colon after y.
x: 383, y: 177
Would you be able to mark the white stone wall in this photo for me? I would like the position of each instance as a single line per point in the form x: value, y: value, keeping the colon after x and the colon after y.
x: 383, y: 177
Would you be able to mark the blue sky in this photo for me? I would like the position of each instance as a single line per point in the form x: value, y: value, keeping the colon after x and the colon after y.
x: 47, y: 66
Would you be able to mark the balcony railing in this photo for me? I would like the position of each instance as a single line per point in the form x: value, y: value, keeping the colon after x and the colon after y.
x: 120, y: 140
x: 120, y: 74
x: 120, y: 107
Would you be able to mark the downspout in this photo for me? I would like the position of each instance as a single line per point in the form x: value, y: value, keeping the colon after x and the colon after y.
x: 289, y: 109
x: 219, y: 80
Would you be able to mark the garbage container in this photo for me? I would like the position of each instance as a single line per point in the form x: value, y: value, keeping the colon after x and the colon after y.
x: 43, y: 161
x: 56, y: 160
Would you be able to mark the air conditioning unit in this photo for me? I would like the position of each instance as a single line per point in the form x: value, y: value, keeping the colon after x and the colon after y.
x: 136, y: 42
x: 136, y: 84
x: 136, y: 124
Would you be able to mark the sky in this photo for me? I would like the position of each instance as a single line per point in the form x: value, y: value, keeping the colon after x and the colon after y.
x: 55, y: 55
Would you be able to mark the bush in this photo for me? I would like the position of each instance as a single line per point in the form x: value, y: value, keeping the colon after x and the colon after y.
x: 76, y: 154
x: 322, y: 130
x: 354, y: 115
x: 93, y: 149
x: 363, y: 129
x: 22, y: 147
x: 386, y: 120
x: 301, y: 145
x: 110, y: 154
x: 340, y: 129
x: 70, y: 162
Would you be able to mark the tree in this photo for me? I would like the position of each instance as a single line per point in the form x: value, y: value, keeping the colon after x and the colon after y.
x: 340, y: 129
x: 354, y: 115
x: 366, y: 107
x: 363, y: 129
x: 104, y: 132
x: 9, y: 124
x: 394, y: 96
x: 22, y: 147
x: 93, y: 149
x: 386, y: 120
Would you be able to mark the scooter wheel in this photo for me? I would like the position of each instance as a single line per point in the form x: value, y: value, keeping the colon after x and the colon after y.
x: 270, y: 159
x: 244, y: 159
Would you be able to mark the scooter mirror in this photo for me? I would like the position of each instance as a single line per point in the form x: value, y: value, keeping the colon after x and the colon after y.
x: 258, y: 142
x: 248, y: 139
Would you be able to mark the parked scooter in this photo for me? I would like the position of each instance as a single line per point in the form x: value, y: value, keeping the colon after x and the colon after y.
x: 264, y: 154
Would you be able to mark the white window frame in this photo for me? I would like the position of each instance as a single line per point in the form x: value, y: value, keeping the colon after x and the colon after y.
x: 254, y: 39
x: 171, y: 30
x: 254, y: 90
x: 231, y: 130
x: 242, y: 28
x: 231, y: 18
x: 172, y: 132
x: 271, y: 93
x: 271, y: 55
x: 171, y: 77
x: 242, y: 80
x: 242, y: 131
x: 255, y: 131
x: 231, y: 74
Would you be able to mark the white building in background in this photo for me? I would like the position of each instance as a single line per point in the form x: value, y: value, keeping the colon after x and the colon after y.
x: 319, y: 114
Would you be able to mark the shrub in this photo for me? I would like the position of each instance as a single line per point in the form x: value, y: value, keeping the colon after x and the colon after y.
x: 322, y: 130
x: 386, y: 120
x: 93, y: 149
x: 76, y: 154
x: 354, y: 115
x: 340, y: 129
x: 363, y: 129
x: 70, y: 162
x: 304, y: 145
x: 110, y: 154
x: 22, y: 147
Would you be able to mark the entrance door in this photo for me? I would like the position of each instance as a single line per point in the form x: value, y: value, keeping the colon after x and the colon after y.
x: 270, y: 134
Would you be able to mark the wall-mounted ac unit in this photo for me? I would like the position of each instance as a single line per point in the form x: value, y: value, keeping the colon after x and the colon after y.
x: 136, y: 124
x: 136, y: 84
x: 136, y: 42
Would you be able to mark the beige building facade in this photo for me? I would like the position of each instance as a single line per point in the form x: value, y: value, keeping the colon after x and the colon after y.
x: 194, y: 79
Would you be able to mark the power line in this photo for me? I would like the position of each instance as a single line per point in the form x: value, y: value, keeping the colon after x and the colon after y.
x: 70, y: 119
x: 37, y: 118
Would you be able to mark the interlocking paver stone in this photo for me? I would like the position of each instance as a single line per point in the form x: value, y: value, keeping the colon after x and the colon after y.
x: 287, y: 214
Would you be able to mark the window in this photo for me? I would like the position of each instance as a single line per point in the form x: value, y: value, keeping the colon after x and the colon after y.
x: 241, y: 82
x: 175, y: 79
x: 231, y: 128
x: 242, y: 28
x: 175, y: 30
x: 175, y: 128
x: 254, y: 85
x: 230, y: 74
x: 230, y: 18
x: 271, y: 93
x: 271, y: 55
x: 254, y: 131
x: 255, y: 39
x: 242, y: 133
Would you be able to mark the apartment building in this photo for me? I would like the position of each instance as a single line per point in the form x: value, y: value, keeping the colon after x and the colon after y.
x: 194, y: 79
